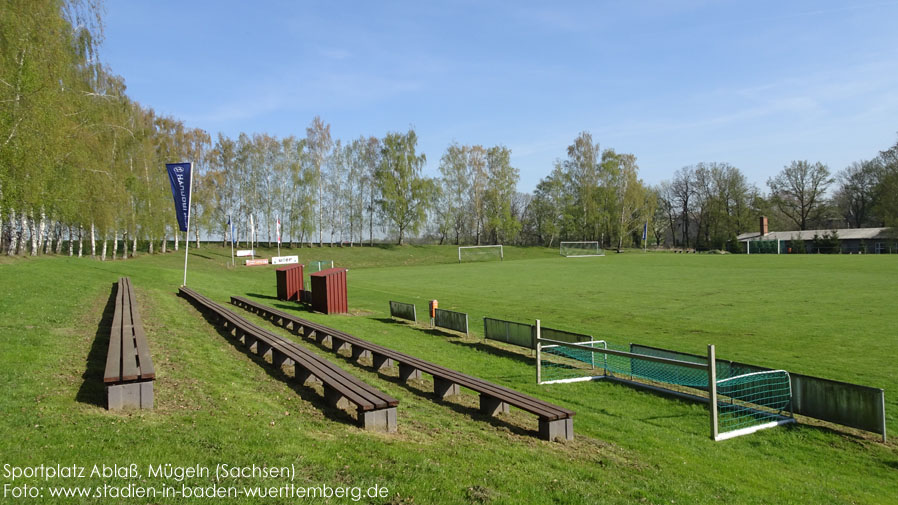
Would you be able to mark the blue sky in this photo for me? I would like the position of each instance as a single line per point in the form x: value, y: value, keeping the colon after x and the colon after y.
x: 756, y: 84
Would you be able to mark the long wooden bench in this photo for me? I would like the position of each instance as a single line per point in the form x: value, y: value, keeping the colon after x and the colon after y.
x: 554, y: 421
x: 129, y: 373
x: 375, y: 409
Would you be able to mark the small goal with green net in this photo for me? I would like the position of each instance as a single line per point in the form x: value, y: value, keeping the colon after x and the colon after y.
x: 739, y: 403
x: 580, y: 249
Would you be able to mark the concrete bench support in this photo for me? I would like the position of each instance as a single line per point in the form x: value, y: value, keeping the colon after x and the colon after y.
x: 492, y: 406
x: 560, y: 429
x: 408, y: 372
x: 378, y: 420
x: 334, y: 398
x: 359, y: 353
x: 307, y: 377
x: 280, y: 359
x: 381, y: 362
x: 443, y: 388
x: 338, y: 345
x: 134, y: 395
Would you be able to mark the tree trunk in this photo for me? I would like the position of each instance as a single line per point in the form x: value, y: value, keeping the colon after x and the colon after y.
x: 124, y: 245
x: 13, y: 239
x: 177, y: 236
x: 164, y: 243
x: 32, y: 228
x: 114, y: 243
x: 93, y: 241
x: 71, y: 242
x: 80, y: 241
x: 103, y: 253
x: 196, y: 232
x: 59, y: 231
x: 150, y: 247
x: 41, y: 230
x: 134, y: 246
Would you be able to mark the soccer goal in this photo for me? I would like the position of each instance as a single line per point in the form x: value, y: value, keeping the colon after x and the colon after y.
x: 738, y: 404
x: 480, y: 253
x: 751, y: 402
x: 581, y: 249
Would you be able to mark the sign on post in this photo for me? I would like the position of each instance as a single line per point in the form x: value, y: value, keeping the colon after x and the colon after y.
x: 245, y: 252
x: 284, y: 260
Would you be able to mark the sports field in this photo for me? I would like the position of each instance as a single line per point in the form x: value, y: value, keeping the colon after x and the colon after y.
x: 830, y: 316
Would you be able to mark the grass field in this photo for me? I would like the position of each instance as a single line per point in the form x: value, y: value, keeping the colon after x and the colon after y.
x: 830, y: 316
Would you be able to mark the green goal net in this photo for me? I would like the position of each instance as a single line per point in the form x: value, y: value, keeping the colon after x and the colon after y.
x: 752, y: 402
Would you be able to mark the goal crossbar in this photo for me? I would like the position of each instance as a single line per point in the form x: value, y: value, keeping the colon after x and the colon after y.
x: 501, y: 251
x: 581, y: 249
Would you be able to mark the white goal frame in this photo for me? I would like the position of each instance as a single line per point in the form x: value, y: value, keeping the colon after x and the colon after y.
x: 599, y: 250
x: 501, y: 251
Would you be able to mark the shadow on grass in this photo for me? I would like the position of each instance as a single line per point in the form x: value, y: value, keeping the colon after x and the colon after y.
x: 92, y: 390
x: 307, y: 393
x: 417, y: 387
x: 258, y: 295
x: 496, y: 351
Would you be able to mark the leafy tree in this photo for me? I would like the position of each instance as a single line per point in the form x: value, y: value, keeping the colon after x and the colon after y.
x: 798, y: 191
x: 405, y: 193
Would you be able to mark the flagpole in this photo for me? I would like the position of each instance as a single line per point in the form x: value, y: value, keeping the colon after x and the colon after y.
x: 187, y: 246
x: 279, y: 235
x: 231, y: 225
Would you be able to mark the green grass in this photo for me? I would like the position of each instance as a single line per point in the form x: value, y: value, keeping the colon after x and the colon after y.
x: 831, y: 316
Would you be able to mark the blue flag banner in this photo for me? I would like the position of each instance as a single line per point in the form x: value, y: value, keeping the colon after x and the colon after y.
x: 645, y: 230
x: 179, y: 175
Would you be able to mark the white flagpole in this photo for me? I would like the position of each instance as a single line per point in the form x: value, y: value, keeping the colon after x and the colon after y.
x: 252, y: 237
x: 231, y: 232
x: 189, y: 203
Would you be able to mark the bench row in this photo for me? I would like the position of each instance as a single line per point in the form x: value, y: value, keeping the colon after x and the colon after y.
x: 375, y: 409
x: 129, y: 371
x: 554, y: 421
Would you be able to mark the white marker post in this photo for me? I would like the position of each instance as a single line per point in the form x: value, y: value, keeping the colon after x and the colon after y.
x: 187, y: 236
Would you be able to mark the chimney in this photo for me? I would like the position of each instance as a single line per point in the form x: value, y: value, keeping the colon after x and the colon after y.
x: 764, y: 230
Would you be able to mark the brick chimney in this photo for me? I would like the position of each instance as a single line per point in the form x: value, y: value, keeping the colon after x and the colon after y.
x: 764, y: 230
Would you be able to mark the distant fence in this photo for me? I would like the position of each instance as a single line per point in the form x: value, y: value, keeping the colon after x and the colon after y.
x: 851, y: 405
x: 509, y: 332
x: 403, y: 311
x: 563, y: 336
x: 457, y: 321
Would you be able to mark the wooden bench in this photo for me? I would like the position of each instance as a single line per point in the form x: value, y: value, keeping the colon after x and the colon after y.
x: 375, y: 409
x: 129, y: 373
x: 554, y: 422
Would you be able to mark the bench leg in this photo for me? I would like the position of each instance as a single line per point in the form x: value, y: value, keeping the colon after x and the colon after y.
x: 559, y: 429
x: 443, y: 388
x: 250, y: 342
x: 492, y: 406
x: 146, y: 395
x: 114, y: 397
x: 262, y: 349
x: 338, y: 345
x: 359, y: 353
x: 333, y: 397
x: 279, y: 359
x: 408, y: 372
x: 307, y: 377
x: 378, y: 420
x: 123, y: 396
x: 381, y: 362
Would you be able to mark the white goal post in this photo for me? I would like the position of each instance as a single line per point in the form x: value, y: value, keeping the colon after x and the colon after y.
x: 482, y: 251
x: 582, y: 249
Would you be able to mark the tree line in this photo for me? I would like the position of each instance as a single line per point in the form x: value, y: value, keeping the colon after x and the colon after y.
x: 81, y: 167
